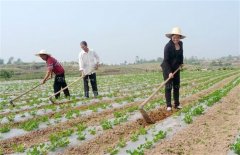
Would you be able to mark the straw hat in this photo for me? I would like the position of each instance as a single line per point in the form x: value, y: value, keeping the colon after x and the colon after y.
x: 43, y: 52
x: 175, y: 30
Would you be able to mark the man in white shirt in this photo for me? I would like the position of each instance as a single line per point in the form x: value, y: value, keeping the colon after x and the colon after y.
x: 88, y: 63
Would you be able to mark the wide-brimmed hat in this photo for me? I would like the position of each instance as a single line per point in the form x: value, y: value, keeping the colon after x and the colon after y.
x: 43, y: 52
x: 175, y: 30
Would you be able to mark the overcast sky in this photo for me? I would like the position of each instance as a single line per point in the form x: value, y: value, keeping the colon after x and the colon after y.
x: 117, y: 30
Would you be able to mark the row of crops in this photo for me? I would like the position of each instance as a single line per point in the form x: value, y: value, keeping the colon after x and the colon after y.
x: 109, y: 124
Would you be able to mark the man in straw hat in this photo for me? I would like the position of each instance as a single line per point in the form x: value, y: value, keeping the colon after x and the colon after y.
x: 173, y: 58
x: 88, y: 62
x: 54, y: 67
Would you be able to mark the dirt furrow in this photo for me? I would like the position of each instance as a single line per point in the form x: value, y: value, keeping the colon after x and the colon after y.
x: 211, y: 133
x: 39, y: 136
x: 83, y: 107
x: 111, y: 137
x: 155, y: 85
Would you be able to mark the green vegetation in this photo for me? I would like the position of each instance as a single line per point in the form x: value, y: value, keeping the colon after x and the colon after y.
x: 30, y: 125
x: 5, y: 128
x: 236, y: 146
x: 106, y: 124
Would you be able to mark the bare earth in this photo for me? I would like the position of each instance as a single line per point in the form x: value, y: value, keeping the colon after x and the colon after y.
x: 109, y: 138
x: 210, y: 134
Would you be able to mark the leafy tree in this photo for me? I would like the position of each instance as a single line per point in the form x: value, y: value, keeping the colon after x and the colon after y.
x: 1, y: 61
x: 10, y: 60
x: 19, y: 61
x: 6, y: 74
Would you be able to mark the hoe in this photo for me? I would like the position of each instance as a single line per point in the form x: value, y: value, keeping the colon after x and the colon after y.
x: 141, y: 107
x: 11, y: 101
x: 50, y: 97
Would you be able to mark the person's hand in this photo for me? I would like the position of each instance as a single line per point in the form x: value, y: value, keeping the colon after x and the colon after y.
x: 182, y: 65
x: 81, y: 73
x: 170, y: 75
x: 43, y: 81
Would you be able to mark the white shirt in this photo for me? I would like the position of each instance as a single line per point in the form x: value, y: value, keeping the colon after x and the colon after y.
x: 88, y: 61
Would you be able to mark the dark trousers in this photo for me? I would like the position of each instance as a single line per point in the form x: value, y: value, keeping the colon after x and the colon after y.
x: 59, y: 82
x: 93, y: 81
x: 175, y: 84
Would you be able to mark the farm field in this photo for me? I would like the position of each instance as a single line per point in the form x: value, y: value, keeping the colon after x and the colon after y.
x: 112, y: 124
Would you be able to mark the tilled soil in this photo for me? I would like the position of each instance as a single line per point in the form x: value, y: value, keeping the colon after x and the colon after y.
x: 110, y: 138
x: 100, y: 143
x: 211, y: 133
x: 84, y: 106
x: 51, y: 114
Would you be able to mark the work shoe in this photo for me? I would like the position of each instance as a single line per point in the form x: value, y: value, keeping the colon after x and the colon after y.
x: 178, y: 107
x: 169, y: 108
x: 95, y: 95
